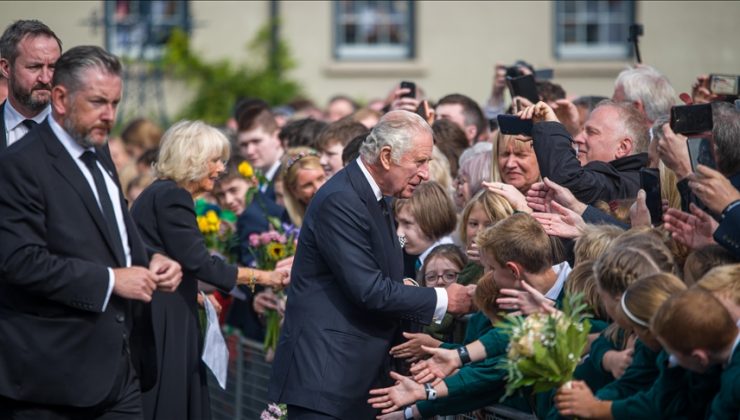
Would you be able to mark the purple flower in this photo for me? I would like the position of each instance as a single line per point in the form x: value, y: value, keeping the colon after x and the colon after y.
x: 254, y: 240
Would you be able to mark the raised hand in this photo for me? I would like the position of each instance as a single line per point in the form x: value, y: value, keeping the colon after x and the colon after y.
x: 538, y: 112
x: 713, y: 188
x: 673, y: 152
x: 568, y: 115
x: 442, y: 363
x: 404, y: 392
x: 411, y: 349
x: 694, y: 230
x: 541, y: 194
x: 564, y: 223
x: 527, y: 301
x: 639, y: 213
x: 510, y: 193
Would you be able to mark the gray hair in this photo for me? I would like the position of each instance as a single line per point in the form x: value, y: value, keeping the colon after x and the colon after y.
x: 186, y: 149
x: 726, y: 134
x: 647, y: 85
x: 70, y: 66
x: 634, y: 124
x: 18, y: 30
x: 395, y: 129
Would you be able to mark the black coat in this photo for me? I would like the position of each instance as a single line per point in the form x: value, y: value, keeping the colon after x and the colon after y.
x: 345, y: 302
x: 57, y: 345
x: 165, y: 216
x: 594, y: 181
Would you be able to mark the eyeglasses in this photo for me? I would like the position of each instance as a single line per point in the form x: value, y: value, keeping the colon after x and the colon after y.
x: 447, y: 276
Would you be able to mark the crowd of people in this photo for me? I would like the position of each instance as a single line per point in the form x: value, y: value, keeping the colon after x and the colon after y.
x: 421, y: 222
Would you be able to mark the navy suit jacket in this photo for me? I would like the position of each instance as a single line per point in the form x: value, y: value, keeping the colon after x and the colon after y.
x: 3, y: 137
x: 345, y: 302
x: 57, y: 344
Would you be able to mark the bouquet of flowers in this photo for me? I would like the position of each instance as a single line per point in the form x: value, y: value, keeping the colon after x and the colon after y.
x: 544, y: 349
x: 217, y: 229
x: 275, y: 412
x: 268, y: 248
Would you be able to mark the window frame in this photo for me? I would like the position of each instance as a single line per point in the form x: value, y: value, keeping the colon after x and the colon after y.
x: 365, y: 52
x: 584, y: 52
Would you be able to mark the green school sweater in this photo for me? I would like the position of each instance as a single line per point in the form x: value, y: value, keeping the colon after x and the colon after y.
x: 726, y: 405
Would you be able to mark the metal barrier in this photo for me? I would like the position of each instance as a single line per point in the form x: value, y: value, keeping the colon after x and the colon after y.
x: 245, y: 395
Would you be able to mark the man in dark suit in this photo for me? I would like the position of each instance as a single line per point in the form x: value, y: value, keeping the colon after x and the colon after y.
x: 73, y: 271
x: 28, y: 51
x: 347, y: 296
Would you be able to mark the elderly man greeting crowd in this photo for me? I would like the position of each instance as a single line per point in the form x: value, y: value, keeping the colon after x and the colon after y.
x: 138, y: 273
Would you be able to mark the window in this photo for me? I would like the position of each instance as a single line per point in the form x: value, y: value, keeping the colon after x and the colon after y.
x: 140, y: 29
x: 596, y: 29
x: 373, y: 30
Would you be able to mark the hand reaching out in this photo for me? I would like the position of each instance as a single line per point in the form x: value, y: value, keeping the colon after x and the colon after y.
x: 694, y: 230
x: 565, y: 223
x: 411, y: 349
x: 403, y: 393
x: 713, y: 188
x: 541, y: 194
x: 510, y: 193
x: 442, y: 363
x: 527, y: 301
x: 538, y: 112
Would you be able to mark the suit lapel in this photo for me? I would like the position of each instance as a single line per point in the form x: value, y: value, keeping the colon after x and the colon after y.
x: 391, y: 249
x: 68, y: 170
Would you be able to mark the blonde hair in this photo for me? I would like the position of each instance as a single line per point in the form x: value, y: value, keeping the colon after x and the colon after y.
x: 295, y: 159
x: 494, y: 206
x: 643, y: 298
x: 439, y: 170
x: 581, y: 280
x: 486, y: 293
x: 723, y: 281
x: 619, y: 267
x: 432, y: 209
x: 518, y: 238
x: 185, y: 150
x: 594, y: 241
x: 694, y: 319
x: 500, y: 143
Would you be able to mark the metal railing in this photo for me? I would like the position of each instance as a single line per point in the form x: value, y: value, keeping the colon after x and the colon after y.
x: 245, y: 395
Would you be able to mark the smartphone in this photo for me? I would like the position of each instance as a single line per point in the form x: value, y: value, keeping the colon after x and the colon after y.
x: 412, y: 87
x: 723, y: 84
x: 701, y: 151
x: 544, y: 74
x: 525, y: 87
x: 513, y: 125
x: 691, y: 119
x: 650, y: 182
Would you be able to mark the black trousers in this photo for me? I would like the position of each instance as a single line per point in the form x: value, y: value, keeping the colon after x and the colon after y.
x: 122, y: 403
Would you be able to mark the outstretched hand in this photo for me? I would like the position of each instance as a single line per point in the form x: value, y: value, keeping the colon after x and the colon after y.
x: 526, y: 302
x: 441, y: 365
x: 404, y: 392
x: 542, y: 194
x: 411, y: 349
x: 695, y: 230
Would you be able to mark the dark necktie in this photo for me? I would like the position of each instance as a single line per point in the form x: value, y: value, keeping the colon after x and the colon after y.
x: 90, y: 159
x: 30, y: 124
x: 387, y: 215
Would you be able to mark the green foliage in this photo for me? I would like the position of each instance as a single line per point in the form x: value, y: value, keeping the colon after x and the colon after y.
x: 220, y: 84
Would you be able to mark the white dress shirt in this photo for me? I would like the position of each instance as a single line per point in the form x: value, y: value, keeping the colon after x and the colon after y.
x: 75, y: 151
x: 14, y: 127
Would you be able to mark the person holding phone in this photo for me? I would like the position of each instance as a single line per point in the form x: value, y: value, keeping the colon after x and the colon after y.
x: 603, y: 161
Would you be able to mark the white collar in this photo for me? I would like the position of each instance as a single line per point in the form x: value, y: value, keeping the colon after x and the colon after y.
x: 563, y: 269
x: 734, y: 346
x: 442, y: 241
x: 370, y: 179
x: 270, y: 173
x: 13, y: 118
x: 72, y: 147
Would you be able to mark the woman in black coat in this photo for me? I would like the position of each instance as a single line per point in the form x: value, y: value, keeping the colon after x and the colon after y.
x: 191, y: 158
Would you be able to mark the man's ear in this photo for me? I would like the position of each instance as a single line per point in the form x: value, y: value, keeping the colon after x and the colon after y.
x: 385, y: 157
x: 5, y: 68
x: 471, y: 134
x: 639, y: 105
x: 59, y: 99
x: 624, y: 148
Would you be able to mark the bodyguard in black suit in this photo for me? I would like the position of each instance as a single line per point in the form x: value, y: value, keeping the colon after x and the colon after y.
x: 73, y: 270
x: 28, y: 51
x: 347, y: 295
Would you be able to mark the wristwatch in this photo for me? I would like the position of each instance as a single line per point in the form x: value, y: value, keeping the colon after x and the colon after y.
x: 408, y: 413
x: 464, y: 355
x: 431, y: 392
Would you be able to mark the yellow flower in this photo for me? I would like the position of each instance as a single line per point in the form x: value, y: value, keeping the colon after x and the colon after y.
x: 202, y: 224
x: 246, y: 169
x: 212, y: 217
x: 276, y: 251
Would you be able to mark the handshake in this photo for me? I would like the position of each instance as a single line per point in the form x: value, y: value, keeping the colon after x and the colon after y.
x: 138, y: 283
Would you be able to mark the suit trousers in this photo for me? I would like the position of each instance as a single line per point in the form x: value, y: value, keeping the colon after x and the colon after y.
x: 122, y: 403
x: 299, y: 413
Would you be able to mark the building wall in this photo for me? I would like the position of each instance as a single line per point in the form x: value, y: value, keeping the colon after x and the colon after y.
x: 458, y: 43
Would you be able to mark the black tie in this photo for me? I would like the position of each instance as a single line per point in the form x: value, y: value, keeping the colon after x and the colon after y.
x: 388, y: 221
x: 30, y: 124
x: 90, y: 159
